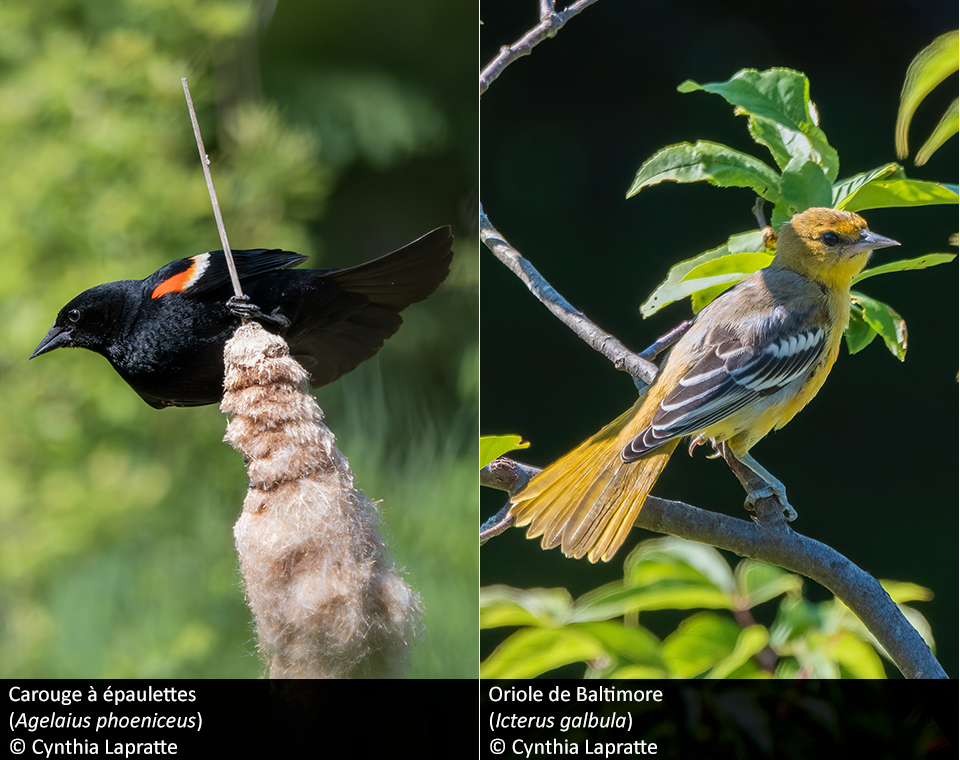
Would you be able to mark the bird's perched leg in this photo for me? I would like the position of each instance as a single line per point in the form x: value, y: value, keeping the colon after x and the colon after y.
x: 241, y: 306
x: 757, y: 481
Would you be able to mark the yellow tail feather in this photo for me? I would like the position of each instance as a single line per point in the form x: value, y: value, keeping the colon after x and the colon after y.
x: 587, y: 501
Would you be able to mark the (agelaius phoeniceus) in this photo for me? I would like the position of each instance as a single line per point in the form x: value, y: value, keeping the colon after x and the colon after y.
x: 165, y: 334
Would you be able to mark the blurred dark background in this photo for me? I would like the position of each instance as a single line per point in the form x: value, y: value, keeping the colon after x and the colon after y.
x: 869, y: 465
x: 338, y: 130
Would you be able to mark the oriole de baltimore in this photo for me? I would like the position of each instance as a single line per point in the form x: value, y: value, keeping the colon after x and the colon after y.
x: 753, y: 358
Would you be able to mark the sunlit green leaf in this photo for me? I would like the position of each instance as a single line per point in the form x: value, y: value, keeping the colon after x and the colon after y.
x: 802, y: 186
x: 503, y: 605
x: 781, y: 97
x: 531, y: 652
x: 632, y: 644
x: 707, y: 162
x: 946, y: 128
x: 699, y: 643
x: 495, y: 446
x: 615, y: 599
x: 713, y: 278
x: 905, y: 265
x: 671, y: 290
x: 845, y: 187
x: 858, y: 334
x: 857, y: 657
x: 883, y: 193
x: 902, y: 591
x: 680, y: 559
x: 887, y: 322
x: 749, y: 643
x: 638, y: 672
x: 759, y: 582
x: 929, y: 68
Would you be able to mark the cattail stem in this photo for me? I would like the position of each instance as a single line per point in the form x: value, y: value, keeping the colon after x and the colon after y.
x: 326, y: 596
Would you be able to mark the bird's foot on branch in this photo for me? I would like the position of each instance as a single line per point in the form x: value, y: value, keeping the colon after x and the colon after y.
x: 776, y: 491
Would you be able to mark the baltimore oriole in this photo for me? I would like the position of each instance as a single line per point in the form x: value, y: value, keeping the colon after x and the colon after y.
x: 753, y: 358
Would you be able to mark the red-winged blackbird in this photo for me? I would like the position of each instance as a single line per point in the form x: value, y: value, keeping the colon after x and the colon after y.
x: 165, y: 335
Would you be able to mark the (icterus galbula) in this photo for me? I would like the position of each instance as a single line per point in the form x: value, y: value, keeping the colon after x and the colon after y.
x: 753, y: 358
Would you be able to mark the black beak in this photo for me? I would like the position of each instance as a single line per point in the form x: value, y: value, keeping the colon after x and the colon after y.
x: 56, y: 338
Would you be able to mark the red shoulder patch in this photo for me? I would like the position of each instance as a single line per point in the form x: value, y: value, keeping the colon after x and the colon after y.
x: 179, y: 282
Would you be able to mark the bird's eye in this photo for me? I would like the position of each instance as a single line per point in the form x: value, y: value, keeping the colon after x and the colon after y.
x: 73, y: 315
x: 830, y: 238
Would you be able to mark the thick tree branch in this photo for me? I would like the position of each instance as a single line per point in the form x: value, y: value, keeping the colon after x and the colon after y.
x: 769, y: 539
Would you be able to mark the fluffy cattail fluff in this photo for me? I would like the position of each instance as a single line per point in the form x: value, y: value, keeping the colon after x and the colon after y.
x: 327, y: 599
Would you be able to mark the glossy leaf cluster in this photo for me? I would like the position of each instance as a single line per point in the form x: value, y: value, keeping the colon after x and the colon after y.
x: 782, y: 118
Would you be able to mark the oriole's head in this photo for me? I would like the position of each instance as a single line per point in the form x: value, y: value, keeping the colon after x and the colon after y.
x: 828, y: 245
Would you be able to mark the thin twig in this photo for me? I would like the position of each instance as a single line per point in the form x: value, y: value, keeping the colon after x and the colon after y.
x: 665, y: 341
x: 205, y: 162
x: 623, y: 358
x: 551, y: 22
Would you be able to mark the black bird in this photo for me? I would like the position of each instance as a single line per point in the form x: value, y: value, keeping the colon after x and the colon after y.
x: 165, y: 334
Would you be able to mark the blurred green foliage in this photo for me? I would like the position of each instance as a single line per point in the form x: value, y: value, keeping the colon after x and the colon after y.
x: 116, y: 549
x: 605, y: 629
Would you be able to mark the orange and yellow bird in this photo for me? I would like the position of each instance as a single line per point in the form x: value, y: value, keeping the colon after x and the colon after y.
x: 752, y: 359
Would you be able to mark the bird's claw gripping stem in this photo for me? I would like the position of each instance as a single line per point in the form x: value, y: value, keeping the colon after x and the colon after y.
x: 241, y: 306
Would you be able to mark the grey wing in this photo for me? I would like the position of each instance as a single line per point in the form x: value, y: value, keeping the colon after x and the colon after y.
x: 733, y: 373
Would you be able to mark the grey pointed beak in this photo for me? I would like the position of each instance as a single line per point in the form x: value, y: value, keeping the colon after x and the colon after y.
x: 870, y: 241
x: 56, y: 338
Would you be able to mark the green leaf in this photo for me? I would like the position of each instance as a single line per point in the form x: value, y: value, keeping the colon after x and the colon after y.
x: 859, y: 334
x: 531, y: 652
x: 503, y: 606
x: 946, y: 128
x: 929, y: 68
x: 699, y: 643
x: 638, y: 672
x: 795, y: 616
x: 750, y: 642
x: 783, y: 118
x: 857, y: 657
x: 713, y: 278
x: 671, y: 290
x: 634, y: 645
x: 885, y: 193
x: 802, y: 186
x: 759, y: 582
x: 678, y: 558
x: 707, y: 162
x: 614, y: 599
x: 495, y: 446
x: 848, y: 186
x: 905, y: 265
x: 887, y: 322
x: 903, y: 591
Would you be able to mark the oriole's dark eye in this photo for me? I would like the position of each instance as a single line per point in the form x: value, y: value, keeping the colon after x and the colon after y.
x: 73, y: 315
x: 830, y: 238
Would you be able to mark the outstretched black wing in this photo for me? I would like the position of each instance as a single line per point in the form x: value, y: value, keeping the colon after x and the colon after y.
x: 340, y: 318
